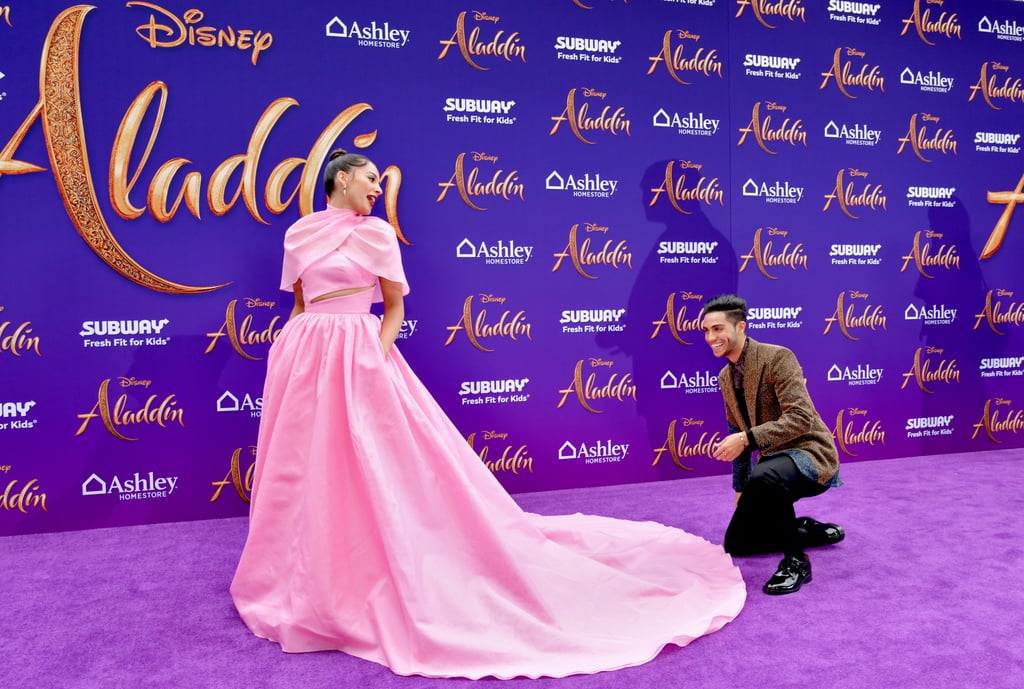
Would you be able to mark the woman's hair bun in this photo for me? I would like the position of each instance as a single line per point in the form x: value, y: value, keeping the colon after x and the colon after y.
x: 335, y: 153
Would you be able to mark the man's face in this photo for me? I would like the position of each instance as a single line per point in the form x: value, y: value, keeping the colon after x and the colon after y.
x: 724, y: 338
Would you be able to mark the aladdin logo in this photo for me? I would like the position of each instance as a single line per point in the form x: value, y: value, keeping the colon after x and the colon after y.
x: 511, y: 460
x: 579, y: 49
x: 598, y: 452
x: 18, y: 339
x: 503, y: 185
x: 154, y: 411
x: 702, y: 63
x: 60, y: 110
x: 234, y: 478
x: 676, y: 190
x: 688, y: 253
x: 872, y: 196
x: 930, y: 197
x: 862, y: 374
x: 930, y: 370
x: 946, y: 24
x: 23, y: 499
x: 765, y: 10
x: 580, y: 120
x: 1010, y: 199
x: 1011, y: 89
x: 229, y: 402
x: 857, y: 135
x: 679, y: 447
x: 675, y: 319
x: 999, y: 419
x: 479, y: 110
x: 996, y: 367
x: 1007, y: 30
x: 848, y: 435
x: 613, y: 254
x: 855, y: 254
x: 791, y: 255
x: 615, y: 387
x: 186, y: 31
x: 495, y: 253
x: 933, y: 81
x: 592, y: 320
x: 135, y: 488
x: 777, y: 192
x: 510, y: 326
x: 920, y: 141
x: 848, y: 318
x: 854, y: 12
x: 243, y: 334
x: 869, y: 77
x: 771, y: 66
x: 16, y: 411
x: 472, y: 46
x: 928, y: 256
x: 788, y: 131
x: 689, y: 124
x: 930, y: 315
x: 695, y: 383
x: 996, y: 313
x: 996, y: 142
x: 370, y: 35
x: 585, y: 186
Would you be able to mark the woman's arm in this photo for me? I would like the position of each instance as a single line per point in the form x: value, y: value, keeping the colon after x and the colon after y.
x: 300, y: 305
x: 394, y: 313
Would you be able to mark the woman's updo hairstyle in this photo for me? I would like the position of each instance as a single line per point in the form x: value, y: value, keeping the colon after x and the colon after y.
x: 340, y: 160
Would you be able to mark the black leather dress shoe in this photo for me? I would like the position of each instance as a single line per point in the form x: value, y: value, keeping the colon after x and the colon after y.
x: 813, y: 533
x: 790, y: 576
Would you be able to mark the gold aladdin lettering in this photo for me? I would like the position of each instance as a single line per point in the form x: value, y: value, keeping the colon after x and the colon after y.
x: 242, y: 334
x: 792, y: 255
x: 846, y: 317
x: 509, y: 461
x: 868, y: 77
x: 59, y: 109
x: 580, y: 120
x: 845, y: 435
x: 18, y: 339
x: 945, y: 372
x: 160, y: 413
x: 614, y: 254
x: 471, y: 45
x: 762, y: 9
x: 947, y: 25
x: 706, y: 63
x: 676, y: 321
x: 477, y: 328
x: 1012, y: 88
x: 942, y: 140
x: 991, y: 422
x: 871, y: 197
x: 788, y: 131
x: 678, y: 447
x: 994, y: 313
x: 586, y: 391
x: 504, y: 185
x: 22, y: 500
x: 924, y: 256
x: 1010, y: 199
x: 704, y: 191
x: 242, y: 486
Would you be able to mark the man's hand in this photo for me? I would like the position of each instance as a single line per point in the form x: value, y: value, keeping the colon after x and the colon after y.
x: 730, y: 448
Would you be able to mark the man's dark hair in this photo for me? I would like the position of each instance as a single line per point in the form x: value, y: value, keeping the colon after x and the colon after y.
x: 734, y: 308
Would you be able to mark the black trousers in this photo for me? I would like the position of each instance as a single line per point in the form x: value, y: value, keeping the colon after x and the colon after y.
x: 764, y: 520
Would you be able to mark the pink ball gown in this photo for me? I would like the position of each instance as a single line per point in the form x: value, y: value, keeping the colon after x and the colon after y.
x: 376, y: 530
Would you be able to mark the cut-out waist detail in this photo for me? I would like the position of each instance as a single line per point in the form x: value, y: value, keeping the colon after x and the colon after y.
x: 358, y: 301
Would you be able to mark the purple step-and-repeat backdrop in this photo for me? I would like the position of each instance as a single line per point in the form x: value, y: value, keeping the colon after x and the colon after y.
x: 570, y: 180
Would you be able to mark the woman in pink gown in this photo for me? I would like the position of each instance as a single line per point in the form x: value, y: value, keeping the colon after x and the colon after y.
x: 376, y: 530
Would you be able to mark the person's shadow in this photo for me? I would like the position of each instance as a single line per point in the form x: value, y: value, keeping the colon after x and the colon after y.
x: 689, y: 262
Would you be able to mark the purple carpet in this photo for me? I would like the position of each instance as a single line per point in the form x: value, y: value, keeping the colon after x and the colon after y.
x: 925, y: 592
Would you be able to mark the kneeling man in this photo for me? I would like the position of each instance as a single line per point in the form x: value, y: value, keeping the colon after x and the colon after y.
x: 769, y: 411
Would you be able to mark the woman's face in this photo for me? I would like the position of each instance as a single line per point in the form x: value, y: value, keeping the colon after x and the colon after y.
x: 358, y: 188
